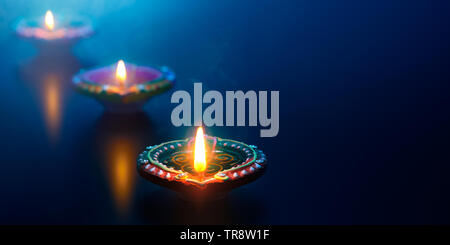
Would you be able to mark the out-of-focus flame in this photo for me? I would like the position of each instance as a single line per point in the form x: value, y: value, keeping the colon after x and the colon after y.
x: 49, y: 20
x: 200, y: 152
x: 121, y: 72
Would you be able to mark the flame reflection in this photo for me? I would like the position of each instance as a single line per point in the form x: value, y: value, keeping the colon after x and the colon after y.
x: 52, y: 103
x: 121, y: 138
x: 121, y: 171
x: 48, y: 76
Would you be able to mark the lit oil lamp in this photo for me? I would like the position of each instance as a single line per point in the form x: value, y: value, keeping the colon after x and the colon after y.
x: 62, y: 30
x: 124, y: 87
x: 203, y: 167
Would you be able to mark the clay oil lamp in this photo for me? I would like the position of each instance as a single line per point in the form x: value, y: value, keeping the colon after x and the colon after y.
x: 203, y: 167
x: 123, y: 87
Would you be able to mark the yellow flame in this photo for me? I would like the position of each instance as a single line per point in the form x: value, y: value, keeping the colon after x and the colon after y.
x: 121, y: 72
x: 49, y: 20
x: 200, y: 155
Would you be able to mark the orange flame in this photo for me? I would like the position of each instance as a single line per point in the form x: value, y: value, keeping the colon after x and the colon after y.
x: 200, y: 152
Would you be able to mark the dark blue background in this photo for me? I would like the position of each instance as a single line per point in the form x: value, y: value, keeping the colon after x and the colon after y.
x: 364, y: 117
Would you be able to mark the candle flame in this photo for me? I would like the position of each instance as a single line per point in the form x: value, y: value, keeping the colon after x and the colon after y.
x: 121, y: 72
x: 200, y: 155
x: 49, y: 20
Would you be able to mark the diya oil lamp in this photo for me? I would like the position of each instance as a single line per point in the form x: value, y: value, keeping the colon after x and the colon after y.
x: 51, y: 30
x: 124, y: 87
x: 203, y: 167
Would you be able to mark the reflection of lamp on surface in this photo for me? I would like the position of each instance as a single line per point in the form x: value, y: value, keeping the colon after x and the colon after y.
x: 52, y: 102
x: 120, y: 168
x: 119, y: 139
x: 45, y: 78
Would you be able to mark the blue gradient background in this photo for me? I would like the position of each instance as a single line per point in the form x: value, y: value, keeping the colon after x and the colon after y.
x: 364, y: 117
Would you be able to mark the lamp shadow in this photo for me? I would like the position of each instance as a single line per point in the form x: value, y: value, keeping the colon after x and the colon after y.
x: 166, y: 207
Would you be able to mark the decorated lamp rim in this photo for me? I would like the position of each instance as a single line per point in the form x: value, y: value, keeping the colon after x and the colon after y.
x: 28, y: 28
x: 88, y: 86
x: 255, y: 161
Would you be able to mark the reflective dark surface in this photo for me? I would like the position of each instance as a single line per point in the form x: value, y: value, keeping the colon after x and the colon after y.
x: 364, y: 112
